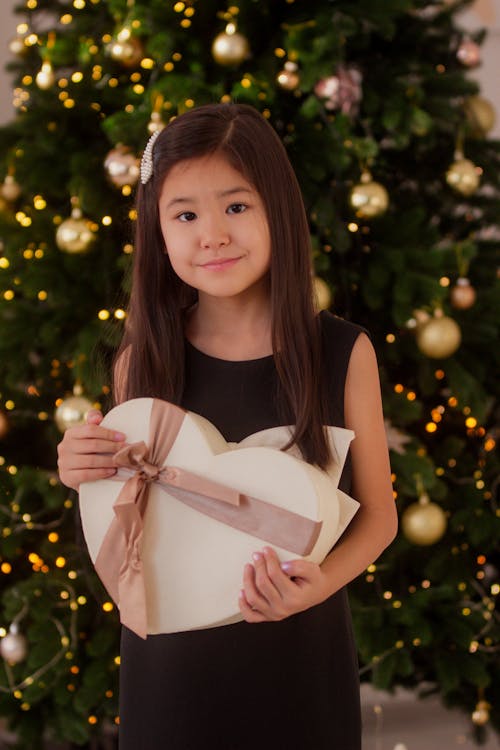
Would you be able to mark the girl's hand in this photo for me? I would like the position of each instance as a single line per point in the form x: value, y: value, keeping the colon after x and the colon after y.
x: 274, y: 590
x: 86, y: 452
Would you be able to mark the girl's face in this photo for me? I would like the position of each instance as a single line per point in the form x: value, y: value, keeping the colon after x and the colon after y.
x: 215, y: 228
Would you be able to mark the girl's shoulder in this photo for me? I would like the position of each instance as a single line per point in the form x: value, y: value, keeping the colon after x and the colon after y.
x: 339, y: 335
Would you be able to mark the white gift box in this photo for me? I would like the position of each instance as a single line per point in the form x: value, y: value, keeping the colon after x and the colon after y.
x: 169, y: 551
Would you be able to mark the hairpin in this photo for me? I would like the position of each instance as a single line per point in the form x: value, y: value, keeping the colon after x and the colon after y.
x: 147, y: 158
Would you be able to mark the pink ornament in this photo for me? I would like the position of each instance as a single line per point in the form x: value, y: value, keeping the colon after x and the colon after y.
x: 469, y: 53
x: 341, y: 91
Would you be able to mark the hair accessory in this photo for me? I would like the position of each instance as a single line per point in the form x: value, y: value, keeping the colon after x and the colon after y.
x: 147, y: 158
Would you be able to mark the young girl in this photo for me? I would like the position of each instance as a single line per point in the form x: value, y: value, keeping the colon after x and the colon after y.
x: 222, y: 322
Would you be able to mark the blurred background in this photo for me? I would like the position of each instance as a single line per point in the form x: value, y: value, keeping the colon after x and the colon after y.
x: 389, y: 112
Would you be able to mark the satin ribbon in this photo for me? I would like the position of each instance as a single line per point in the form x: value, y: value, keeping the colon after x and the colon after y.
x: 119, y: 562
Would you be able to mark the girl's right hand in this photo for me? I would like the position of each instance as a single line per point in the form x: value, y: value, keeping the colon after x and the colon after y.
x: 86, y: 452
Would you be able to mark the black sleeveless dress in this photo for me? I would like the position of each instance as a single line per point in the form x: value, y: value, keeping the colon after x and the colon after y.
x: 287, y: 685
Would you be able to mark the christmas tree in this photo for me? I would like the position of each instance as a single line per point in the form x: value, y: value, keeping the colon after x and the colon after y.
x: 389, y: 138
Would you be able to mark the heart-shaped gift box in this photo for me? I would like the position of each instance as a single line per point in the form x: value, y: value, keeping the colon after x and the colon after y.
x: 170, y: 533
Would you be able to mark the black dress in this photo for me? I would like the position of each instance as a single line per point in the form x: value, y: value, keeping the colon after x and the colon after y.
x: 287, y: 685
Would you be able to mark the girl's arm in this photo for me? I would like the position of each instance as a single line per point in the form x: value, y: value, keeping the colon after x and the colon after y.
x: 268, y: 591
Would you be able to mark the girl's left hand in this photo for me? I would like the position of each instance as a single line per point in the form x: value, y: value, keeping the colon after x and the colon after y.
x: 273, y: 590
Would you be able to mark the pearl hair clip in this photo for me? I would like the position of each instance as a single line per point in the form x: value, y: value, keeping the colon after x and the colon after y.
x: 147, y: 158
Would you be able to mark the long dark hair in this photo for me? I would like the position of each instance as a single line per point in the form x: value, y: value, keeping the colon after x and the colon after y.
x: 152, y: 350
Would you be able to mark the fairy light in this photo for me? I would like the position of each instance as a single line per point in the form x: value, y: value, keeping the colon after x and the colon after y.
x: 470, y: 422
x: 108, y: 606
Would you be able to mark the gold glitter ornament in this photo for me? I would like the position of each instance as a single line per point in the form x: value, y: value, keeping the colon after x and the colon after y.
x: 288, y: 78
x: 423, y: 522
x: 230, y: 47
x: 14, y: 646
x: 17, y: 46
x: 481, y: 714
x: 10, y: 189
x: 72, y: 412
x: 322, y: 294
x: 155, y: 123
x: 45, y: 78
x: 122, y: 166
x: 439, y: 336
x: 368, y: 198
x: 126, y: 49
x: 463, y: 294
x: 463, y: 176
x: 75, y: 235
x: 481, y: 115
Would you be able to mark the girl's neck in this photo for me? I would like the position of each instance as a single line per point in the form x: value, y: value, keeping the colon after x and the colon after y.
x: 231, y: 328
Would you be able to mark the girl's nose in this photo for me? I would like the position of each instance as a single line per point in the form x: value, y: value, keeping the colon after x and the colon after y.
x: 214, y: 234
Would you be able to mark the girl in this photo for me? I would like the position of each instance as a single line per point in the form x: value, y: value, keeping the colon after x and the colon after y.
x: 221, y: 320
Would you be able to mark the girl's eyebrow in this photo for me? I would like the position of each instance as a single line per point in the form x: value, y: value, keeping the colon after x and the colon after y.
x: 221, y: 194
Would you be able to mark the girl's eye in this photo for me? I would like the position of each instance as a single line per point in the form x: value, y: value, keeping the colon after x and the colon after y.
x: 186, y: 216
x: 240, y: 207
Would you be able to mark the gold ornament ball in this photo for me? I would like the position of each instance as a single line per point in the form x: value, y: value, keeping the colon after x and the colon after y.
x: 45, y: 78
x: 423, y: 523
x: 11, y: 190
x: 128, y: 51
x: 13, y: 646
x: 439, y: 337
x: 230, y: 49
x: 463, y: 177
x: 4, y: 424
x: 463, y: 294
x: 322, y: 294
x: 288, y: 78
x: 74, y: 235
x: 121, y: 166
x: 72, y: 412
x: 155, y: 123
x: 368, y: 198
x: 481, y: 714
x: 480, y: 114
x: 17, y: 46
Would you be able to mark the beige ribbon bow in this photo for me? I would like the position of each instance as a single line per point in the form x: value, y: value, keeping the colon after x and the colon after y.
x: 119, y: 561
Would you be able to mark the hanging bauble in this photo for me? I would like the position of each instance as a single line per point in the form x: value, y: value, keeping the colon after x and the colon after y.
x: 4, y: 424
x: 439, y: 336
x: 288, y: 78
x: 72, y: 411
x: 17, y: 46
x: 462, y: 294
x: 10, y: 189
x: 75, y: 234
x: 480, y: 114
x: 45, y: 78
x: 369, y: 199
x: 125, y: 48
x: 341, y: 91
x: 230, y: 47
x: 13, y: 646
x: 463, y: 176
x: 468, y: 53
x: 423, y: 522
x: 155, y: 123
x: 322, y: 294
x: 481, y: 714
x: 122, y: 166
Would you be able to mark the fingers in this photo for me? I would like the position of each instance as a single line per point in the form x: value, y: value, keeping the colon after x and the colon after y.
x: 94, y: 416
x: 86, y: 452
x: 267, y: 590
